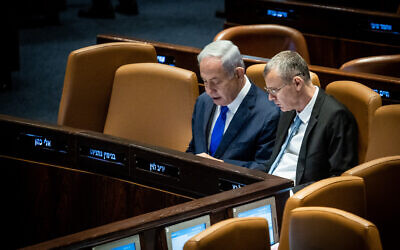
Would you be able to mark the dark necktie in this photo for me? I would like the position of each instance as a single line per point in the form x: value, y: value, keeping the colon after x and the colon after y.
x: 294, y: 128
x: 218, y: 130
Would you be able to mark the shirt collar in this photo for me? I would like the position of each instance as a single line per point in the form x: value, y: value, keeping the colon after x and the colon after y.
x: 306, y: 113
x: 233, y: 106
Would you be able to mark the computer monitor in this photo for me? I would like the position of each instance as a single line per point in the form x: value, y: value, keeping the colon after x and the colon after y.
x: 128, y: 243
x: 265, y: 208
x: 178, y: 234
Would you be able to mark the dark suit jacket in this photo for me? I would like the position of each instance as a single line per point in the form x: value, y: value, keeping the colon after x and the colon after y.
x: 250, y: 137
x: 330, y: 141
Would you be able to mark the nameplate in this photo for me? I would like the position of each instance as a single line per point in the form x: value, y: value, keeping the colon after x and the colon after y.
x: 156, y: 167
x: 103, y: 155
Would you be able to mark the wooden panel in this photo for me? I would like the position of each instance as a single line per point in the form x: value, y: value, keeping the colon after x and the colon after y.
x: 52, y: 201
x: 150, y: 226
x: 333, y: 52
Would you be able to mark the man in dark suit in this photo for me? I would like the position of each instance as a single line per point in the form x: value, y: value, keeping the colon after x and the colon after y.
x: 247, y: 129
x: 324, y: 143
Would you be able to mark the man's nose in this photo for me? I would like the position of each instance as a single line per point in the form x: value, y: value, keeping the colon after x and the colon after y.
x: 271, y: 97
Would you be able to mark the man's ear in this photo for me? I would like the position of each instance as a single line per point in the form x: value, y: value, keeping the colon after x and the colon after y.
x: 298, y: 82
x: 239, y: 72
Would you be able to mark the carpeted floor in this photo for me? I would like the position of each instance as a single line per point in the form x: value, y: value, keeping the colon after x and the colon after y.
x: 37, y: 86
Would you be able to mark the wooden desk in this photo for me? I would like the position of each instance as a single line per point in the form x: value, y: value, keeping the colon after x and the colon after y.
x: 73, y: 188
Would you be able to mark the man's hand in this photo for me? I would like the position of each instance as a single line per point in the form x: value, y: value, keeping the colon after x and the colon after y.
x: 205, y: 155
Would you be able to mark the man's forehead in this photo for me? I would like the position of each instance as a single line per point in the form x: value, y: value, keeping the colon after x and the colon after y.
x: 273, y: 73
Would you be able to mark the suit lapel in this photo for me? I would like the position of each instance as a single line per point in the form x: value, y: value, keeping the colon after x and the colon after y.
x: 238, y: 120
x: 206, y: 126
x: 311, y: 124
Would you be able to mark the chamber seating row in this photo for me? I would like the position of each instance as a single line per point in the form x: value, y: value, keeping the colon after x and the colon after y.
x: 354, y: 211
x: 156, y: 113
x: 185, y: 57
x: 334, y: 33
x: 266, y: 40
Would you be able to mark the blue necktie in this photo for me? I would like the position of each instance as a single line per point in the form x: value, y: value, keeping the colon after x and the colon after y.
x: 218, y: 130
x: 294, y: 128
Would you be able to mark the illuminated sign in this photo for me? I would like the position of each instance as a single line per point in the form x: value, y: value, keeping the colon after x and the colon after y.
x: 383, y: 93
x: 157, y: 168
x: 380, y: 26
x: 41, y: 142
x: 169, y: 60
x: 103, y: 155
x: 277, y: 13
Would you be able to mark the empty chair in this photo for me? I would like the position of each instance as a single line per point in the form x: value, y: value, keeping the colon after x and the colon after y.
x: 88, y: 81
x: 331, y: 229
x: 381, y: 177
x: 388, y: 65
x: 256, y: 75
x: 265, y: 40
x: 153, y: 103
x: 338, y: 192
x: 362, y: 102
x: 384, y: 136
x: 250, y: 233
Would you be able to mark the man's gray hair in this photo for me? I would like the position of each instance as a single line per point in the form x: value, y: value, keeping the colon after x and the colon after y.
x: 226, y: 51
x: 288, y: 64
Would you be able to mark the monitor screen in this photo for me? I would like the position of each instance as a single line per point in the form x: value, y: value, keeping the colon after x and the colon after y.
x: 129, y: 243
x: 265, y: 208
x: 178, y: 234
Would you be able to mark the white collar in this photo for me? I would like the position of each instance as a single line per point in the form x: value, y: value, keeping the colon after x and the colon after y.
x: 306, y: 113
x: 234, y: 105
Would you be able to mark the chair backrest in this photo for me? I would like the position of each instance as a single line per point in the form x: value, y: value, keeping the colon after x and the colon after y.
x: 339, y: 192
x: 153, y: 103
x: 265, y: 40
x: 362, y: 102
x: 256, y: 75
x: 381, y: 177
x: 234, y: 234
x: 331, y: 229
x: 88, y: 81
x: 388, y: 65
x: 384, y: 133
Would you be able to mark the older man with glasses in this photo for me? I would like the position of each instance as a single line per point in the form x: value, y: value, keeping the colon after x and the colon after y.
x: 233, y: 121
x: 317, y: 135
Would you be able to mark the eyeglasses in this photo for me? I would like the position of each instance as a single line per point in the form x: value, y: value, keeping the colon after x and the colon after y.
x: 274, y: 91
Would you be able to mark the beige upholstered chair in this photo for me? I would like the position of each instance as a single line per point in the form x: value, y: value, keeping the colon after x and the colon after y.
x: 265, y: 40
x: 153, y: 103
x: 362, y: 102
x: 381, y: 177
x: 88, y: 81
x: 256, y: 75
x: 384, y: 133
x: 331, y: 229
x: 250, y: 233
x: 388, y: 65
x: 339, y: 192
